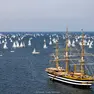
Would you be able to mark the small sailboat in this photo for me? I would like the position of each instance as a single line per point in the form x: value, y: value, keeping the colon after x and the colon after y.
x: 44, y: 44
x: 50, y: 43
x: 14, y: 45
x: 3, y: 41
x: 21, y: 45
x: 54, y: 40
x: 29, y: 43
x: 90, y: 45
x: 5, y: 46
x: 69, y: 43
x: 35, y: 52
x: 11, y: 40
x: 87, y: 43
x: 19, y: 39
x: 73, y: 43
x: 76, y: 39
x: 80, y: 43
x: 17, y: 44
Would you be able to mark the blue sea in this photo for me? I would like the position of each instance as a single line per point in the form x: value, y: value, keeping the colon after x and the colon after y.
x: 21, y: 72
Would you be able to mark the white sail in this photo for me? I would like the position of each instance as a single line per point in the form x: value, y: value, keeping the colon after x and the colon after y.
x: 91, y: 42
x: 90, y: 45
x: 76, y: 40
x: 80, y: 43
x: 21, y: 44
x: 50, y: 43
x: 73, y: 43
x: 54, y: 40
x: 17, y: 44
x: 29, y: 43
x: 5, y: 46
x: 69, y: 43
x: 3, y: 41
x: 87, y: 43
x: 44, y: 44
x: 11, y: 40
x: 19, y: 39
x: 0, y: 36
x: 14, y: 45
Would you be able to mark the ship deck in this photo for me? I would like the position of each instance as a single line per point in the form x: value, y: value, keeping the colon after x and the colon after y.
x: 73, y: 76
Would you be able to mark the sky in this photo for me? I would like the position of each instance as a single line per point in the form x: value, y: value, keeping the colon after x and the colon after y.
x: 46, y: 15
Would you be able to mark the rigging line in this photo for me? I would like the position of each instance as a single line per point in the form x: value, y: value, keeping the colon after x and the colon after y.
x: 90, y: 69
x: 72, y: 60
x: 77, y: 50
x: 90, y: 59
x: 87, y: 59
x: 85, y: 65
x: 87, y: 70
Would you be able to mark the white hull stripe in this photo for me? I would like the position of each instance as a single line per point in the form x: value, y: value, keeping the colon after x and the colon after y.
x: 68, y: 79
x: 70, y: 82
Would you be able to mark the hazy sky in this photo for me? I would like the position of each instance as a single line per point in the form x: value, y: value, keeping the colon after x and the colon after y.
x: 46, y: 15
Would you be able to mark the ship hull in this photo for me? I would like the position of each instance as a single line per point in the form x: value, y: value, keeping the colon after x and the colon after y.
x: 69, y: 81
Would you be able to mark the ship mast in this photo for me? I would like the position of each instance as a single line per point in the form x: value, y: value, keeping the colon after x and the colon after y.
x: 56, y: 57
x: 66, y: 51
x: 74, y: 68
x: 82, y: 54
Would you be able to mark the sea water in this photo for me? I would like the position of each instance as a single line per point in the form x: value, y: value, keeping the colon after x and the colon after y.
x: 24, y: 73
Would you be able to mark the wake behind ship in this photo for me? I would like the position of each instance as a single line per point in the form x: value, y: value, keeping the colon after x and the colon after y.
x: 64, y: 75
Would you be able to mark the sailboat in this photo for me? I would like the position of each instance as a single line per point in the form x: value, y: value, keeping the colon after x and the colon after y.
x: 5, y: 46
x: 69, y: 43
x: 73, y: 43
x: 35, y: 52
x: 65, y: 75
x: 14, y: 45
x: 50, y: 43
x: 29, y: 43
x: 44, y: 44
x: 21, y: 45
x: 17, y: 44
x: 90, y: 45
x: 11, y: 40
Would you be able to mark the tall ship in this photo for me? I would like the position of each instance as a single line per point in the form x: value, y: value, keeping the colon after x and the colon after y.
x: 64, y: 74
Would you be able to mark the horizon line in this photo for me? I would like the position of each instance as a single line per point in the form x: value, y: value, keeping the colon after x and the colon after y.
x: 45, y: 31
